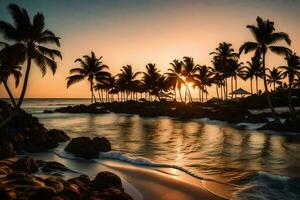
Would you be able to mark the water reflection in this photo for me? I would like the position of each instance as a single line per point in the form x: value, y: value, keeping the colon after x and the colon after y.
x: 214, y: 150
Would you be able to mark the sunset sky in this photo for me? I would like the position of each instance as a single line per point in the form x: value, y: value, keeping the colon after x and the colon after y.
x: 140, y: 31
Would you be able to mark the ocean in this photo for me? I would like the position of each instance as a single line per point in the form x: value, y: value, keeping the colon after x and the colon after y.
x: 260, y: 165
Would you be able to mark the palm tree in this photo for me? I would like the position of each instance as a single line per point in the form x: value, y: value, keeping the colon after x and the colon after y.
x: 291, y: 70
x: 218, y: 78
x: 188, y: 71
x: 127, y: 79
x: 223, y: 54
x: 91, y: 68
x: 274, y: 77
x: 175, y: 76
x: 28, y: 37
x: 203, y: 79
x: 235, y: 70
x: 150, y: 79
x: 296, y: 84
x: 254, y: 69
x: 8, y: 67
x: 265, y: 38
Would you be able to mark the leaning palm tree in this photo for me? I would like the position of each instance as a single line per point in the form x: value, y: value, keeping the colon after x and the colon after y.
x: 265, y: 38
x: 292, y: 71
x: 274, y: 77
x: 28, y: 37
x: 9, y: 67
x: 175, y: 76
x: 224, y: 53
x: 91, y: 68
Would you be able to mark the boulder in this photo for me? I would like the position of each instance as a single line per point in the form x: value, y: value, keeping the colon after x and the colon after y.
x: 7, y: 151
x: 51, y: 166
x: 110, y: 194
x: 87, y: 148
x: 25, y: 164
x: 106, y: 180
x: 58, y: 135
x: 55, y: 184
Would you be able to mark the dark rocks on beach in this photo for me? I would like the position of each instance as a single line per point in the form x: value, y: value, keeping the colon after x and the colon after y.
x: 24, y: 132
x: 106, y: 180
x: 51, y: 166
x: 25, y: 164
x: 290, y: 125
x: 93, y: 108
x: 6, y: 151
x: 25, y: 186
x: 88, y: 148
x: 58, y: 135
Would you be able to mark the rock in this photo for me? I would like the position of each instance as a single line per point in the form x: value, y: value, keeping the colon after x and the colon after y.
x: 7, y: 193
x: 5, y: 170
x: 105, y: 180
x: 48, y: 111
x: 58, y: 135
x: 7, y: 151
x: 110, y: 194
x: 91, y: 147
x: 101, y: 144
x: 25, y: 164
x: 290, y: 125
x: 71, y: 191
x: 93, y: 108
x: 55, y: 184
x: 51, y: 166
x: 42, y: 193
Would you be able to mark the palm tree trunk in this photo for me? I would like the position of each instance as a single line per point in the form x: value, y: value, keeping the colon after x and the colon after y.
x: 235, y: 79
x: 256, y: 84
x: 179, y: 89
x: 25, y: 82
x: 232, y: 87
x: 10, y: 94
x: 274, y: 86
x: 189, y: 93
x: 91, y: 89
x: 251, y: 85
x: 217, y: 91
x: 276, y: 118
x: 291, y: 107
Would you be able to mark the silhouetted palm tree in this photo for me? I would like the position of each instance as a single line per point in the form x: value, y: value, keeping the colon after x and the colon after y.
x: 223, y: 54
x: 265, y: 38
x: 29, y: 36
x: 150, y: 78
x: 203, y: 79
x: 274, y: 77
x: 235, y: 70
x: 127, y: 79
x: 9, y: 67
x: 291, y: 71
x: 254, y: 69
x: 175, y: 76
x: 188, y: 72
x: 91, y: 68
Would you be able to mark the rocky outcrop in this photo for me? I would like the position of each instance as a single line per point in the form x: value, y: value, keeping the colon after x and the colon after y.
x: 290, y: 125
x: 25, y: 164
x: 23, y: 185
x: 86, y: 147
x: 93, y: 108
x: 24, y: 132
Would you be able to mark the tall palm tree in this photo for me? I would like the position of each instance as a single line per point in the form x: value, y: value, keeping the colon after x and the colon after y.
x: 91, y: 68
x: 218, y: 78
x: 150, y: 79
x: 203, y: 79
x: 274, y: 77
x: 189, y: 69
x: 175, y: 76
x: 235, y: 70
x: 127, y: 79
x: 265, y: 38
x: 291, y: 70
x: 28, y: 37
x: 8, y: 67
x: 223, y: 54
x: 254, y: 69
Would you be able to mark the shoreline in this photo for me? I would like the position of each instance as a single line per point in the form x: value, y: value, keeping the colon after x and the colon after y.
x: 142, y: 181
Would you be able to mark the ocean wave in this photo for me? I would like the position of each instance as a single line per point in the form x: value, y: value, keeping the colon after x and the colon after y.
x: 139, y: 161
x: 266, y: 186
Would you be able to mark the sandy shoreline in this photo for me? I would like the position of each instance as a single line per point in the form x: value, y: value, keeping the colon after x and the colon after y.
x: 144, y: 183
